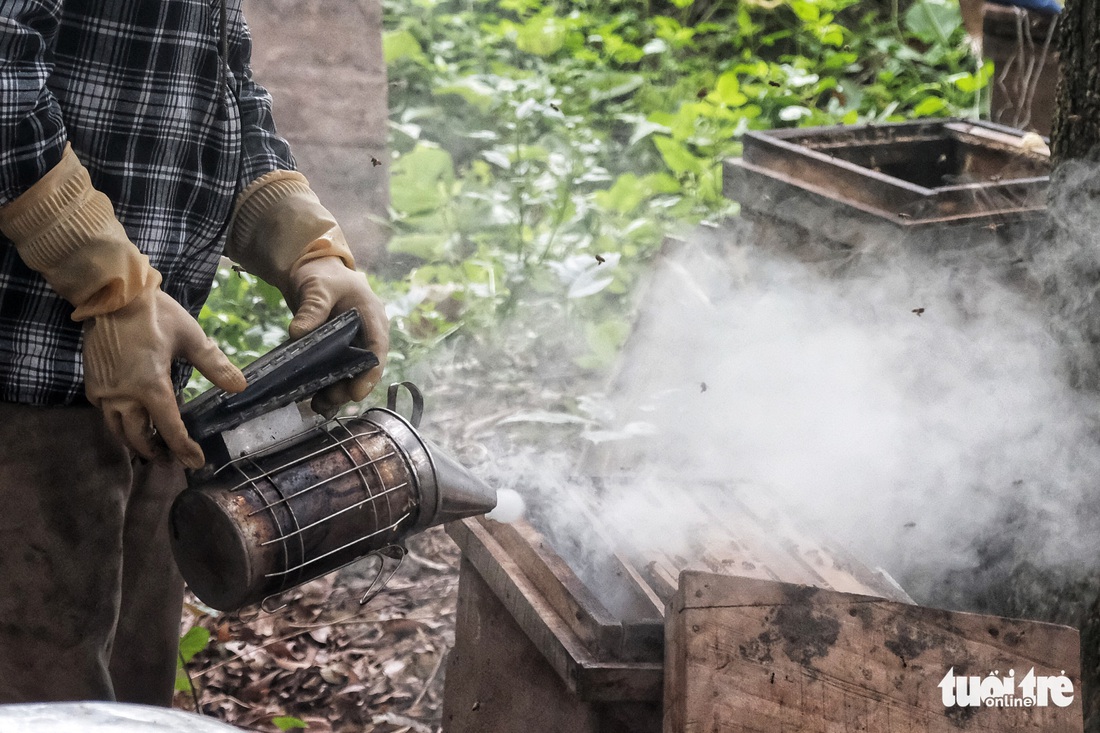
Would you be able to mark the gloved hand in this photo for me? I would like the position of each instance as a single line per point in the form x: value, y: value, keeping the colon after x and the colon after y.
x: 66, y: 230
x: 325, y: 288
x: 127, y: 372
x: 281, y: 233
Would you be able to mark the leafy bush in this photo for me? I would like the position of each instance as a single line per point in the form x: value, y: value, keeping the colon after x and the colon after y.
x: 543, y: 149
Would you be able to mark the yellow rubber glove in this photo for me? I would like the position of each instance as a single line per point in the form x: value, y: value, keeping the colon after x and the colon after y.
x: 66, y: 230
x: 281, y: 233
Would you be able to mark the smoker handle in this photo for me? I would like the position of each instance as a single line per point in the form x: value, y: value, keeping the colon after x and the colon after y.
x: 417, y: 398
x: 288, y: 373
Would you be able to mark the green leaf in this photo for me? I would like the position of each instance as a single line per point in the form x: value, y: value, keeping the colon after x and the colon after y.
x: 397, y: 45
x: 662, y: 183
x: 426, y: 246
x: 727, y: 90
x: 807, y: 12
x: 612, y: 85
x: 471, y: 89
x: 543, y: 35
x: 193, y: 642
x: 971, y: 83
x: 626, y: 194
x: 929, y: 106
x: 520, y: 7
x: 832, y: 35
x: 622, y: 51
x: 933, y: 21
x: 669, y: 29
x: 604, y: 339
x: 183, y: 682
x: 676, y: 156
x: 425, y: 162
x: 286, y: 722
x: 421, y: 180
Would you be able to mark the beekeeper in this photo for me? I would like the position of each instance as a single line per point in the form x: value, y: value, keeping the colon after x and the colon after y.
x: 134, y: 145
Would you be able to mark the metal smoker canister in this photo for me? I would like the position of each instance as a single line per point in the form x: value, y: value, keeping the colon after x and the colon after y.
x: 265, y: 523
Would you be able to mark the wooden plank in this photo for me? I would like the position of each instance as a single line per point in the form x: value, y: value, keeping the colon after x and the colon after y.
x: 662, y: 578
x: 749, y: 655
x: 762, y: 540
x: 634, y: 595
x: 656, y: 607
x: 743, y: 531
x: 836, y: 568
x: 571, y: 599
x: 643, y: 638
x: 531, y: 612
x: 588, y: 677
x: 768, y: 192
x: 496, y: 681
x: 638, y: 637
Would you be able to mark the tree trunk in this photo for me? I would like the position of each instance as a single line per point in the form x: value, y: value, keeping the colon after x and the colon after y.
x: 1076, y: 130
x: 1071, y: 251
x: 323, y: 63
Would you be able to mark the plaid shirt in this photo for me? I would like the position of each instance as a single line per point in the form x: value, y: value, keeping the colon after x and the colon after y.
x: 168, y: 129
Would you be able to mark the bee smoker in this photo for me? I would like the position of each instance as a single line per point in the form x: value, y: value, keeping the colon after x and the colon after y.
x: 287, y: 496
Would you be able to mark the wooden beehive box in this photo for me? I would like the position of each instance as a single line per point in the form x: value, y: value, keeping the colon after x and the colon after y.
x: 749, y: 655
x: 534, y: 649
x: 827, y: 192
x: 538, y: 647
x: 764, y: 628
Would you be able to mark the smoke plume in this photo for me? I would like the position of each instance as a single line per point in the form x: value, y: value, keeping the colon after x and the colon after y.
x: 930, y: 412
x: 908, y: 407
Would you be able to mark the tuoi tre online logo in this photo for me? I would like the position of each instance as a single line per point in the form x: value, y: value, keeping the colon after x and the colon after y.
x: 996, y: 690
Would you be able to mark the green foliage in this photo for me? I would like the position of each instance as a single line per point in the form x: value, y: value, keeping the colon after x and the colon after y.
x: 247, y: 318
x: 533, y: 137
x: 191, y: 643
x: 544, y: 148
x: 286, y: 722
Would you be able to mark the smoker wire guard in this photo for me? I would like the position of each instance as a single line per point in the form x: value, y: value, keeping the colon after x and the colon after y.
x: 417, y: 456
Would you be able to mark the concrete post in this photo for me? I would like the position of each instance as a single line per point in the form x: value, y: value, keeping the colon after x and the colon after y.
x: 323, y: 64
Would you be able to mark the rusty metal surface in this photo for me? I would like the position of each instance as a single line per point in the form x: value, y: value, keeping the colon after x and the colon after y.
x: 297, y: 514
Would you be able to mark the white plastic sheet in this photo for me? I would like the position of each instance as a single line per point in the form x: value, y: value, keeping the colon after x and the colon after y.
x: 101, y: 717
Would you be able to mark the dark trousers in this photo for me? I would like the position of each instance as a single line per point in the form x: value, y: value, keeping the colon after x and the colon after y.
x: 90, y: 598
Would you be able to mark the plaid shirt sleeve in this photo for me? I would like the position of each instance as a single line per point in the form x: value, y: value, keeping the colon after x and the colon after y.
x: 170, y: 129
x: 263, y: 149
x: 32, y: 131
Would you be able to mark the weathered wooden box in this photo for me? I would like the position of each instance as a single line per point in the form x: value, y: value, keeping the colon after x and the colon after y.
x: 831, y: 191
x: 544, y: 646
x: 535, y: 650
x: 749, y: 655
x: 768, y: 629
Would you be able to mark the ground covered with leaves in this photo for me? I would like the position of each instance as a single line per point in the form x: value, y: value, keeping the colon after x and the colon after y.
x: 326, y: 663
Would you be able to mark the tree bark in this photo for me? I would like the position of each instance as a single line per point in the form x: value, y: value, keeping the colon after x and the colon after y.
x: 1072, y: 251
x: 1076, y: 130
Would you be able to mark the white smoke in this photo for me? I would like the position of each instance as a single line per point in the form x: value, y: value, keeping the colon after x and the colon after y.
x: 923, y: 409
x: 915, y: 409
x: 907, y: 407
